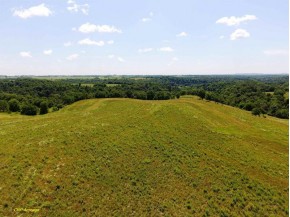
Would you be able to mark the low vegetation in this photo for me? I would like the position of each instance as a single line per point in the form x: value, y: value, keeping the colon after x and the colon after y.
x: 126, y: 157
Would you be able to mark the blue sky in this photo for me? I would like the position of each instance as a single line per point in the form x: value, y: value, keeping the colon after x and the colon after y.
x: 93, y: 37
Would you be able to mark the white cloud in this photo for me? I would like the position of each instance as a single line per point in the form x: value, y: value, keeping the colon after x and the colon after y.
x: 182, y: 34
x: 110, y: 42
x: 145, y: 50
x: 166, y: 49
x: 72, y: 57
x: 74, y: 7
x: 89, y: 28
x: 173, y: 60
x: 120, y: 59
x: 40, y: 11
x: 112, y: 56
x: 222, y: 37
x: 234, y: 21
x: 276, y: 52
x: 239, y: 33
x: 147, y: 19
x: 47, y: 52
x: 67, y: 44
x: 25, y: 54
x: 88, y: 41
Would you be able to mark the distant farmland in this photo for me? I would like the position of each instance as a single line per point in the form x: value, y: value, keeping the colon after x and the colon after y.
x: 126, y: 157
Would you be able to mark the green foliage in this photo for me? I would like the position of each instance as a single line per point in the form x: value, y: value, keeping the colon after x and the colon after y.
x: 150, y: 95
x: 29, y: 109
x: 43, y: 108
x: 267, y: 93
x: 282, y: 113
x: 55, y: 108
x: 4, y: 106
x: 201, y: 93
x: 256, y: 111
x: 14, y: 105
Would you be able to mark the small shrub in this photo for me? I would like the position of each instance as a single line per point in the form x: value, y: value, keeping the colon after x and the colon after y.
x: 29, y: 110
x: 14, y: 105
x: 4, y: 107
x: 43, y: 108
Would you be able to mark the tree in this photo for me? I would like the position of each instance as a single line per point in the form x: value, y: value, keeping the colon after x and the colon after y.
x: 256, y: 111
x: 201, y: 93
x: 4, y: 107
x: 150, y: 95
x: 29, y: 109
x: 282, y: 113
x: 100, y: 94
x: 14, y: 105
x: 43, y: 108
x: 140, y: 95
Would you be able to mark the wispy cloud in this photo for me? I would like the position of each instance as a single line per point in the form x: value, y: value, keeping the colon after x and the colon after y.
x: 239, y: 33
x: 182, y: 34
x: 88, y: 41
x: 39, y: 10
x: 72, y: 57
x: 90, y: 28
x: 67, y: 44
x: 234, y: 21
x: 110, y: 42
x: 149, y: 18
x: 173, y: 60
x: 74, y: 7
x: 166, y: 49
x: 120, y: 59
x: 25, y: 54
x: 47, y: 52
x: 146, y: 19
x: 145, y: 50
x: 277, y: 52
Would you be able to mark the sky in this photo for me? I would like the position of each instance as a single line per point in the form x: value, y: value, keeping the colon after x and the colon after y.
x: 144, y: 37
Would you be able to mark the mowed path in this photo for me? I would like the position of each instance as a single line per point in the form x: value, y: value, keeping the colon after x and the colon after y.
x: 125, y: 157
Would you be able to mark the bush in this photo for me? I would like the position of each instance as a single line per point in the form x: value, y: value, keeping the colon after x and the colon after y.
x: 150, y: 95
x: 282, y: 113
x: 54, y: 108
x: 256, y: 111
x: 43, y: 108
x: 248, y: 106
x: 4, y: 107
x: 14, y: 105
x: 29, y: 110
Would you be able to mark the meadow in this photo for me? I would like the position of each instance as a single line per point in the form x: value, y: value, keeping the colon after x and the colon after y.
x: 128, y: 157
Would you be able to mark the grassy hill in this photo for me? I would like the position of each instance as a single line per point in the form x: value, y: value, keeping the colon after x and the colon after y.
x: 125, y: 157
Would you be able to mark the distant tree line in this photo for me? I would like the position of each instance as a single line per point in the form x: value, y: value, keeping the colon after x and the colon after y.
x: 259, y: 94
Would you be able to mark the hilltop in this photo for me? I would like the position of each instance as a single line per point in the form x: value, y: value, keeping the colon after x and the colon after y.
x: 127, y: 157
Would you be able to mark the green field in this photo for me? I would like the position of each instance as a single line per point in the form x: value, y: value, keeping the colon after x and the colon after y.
x: 126, y: 157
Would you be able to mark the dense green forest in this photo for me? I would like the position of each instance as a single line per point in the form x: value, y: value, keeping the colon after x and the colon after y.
x: 261, y: 94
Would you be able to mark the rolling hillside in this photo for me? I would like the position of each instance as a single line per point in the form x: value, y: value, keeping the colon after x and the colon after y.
x: 125, y: 157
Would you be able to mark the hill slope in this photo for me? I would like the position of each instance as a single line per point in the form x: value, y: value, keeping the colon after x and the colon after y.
x: 122, y: 157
